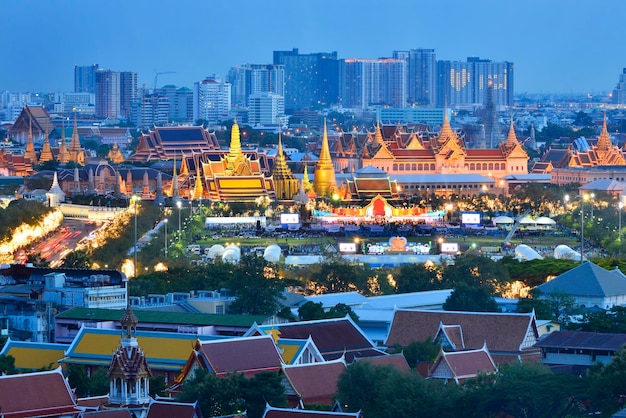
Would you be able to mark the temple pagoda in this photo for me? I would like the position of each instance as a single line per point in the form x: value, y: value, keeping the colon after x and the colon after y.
x: 324, y: 180
x: 285, y: 182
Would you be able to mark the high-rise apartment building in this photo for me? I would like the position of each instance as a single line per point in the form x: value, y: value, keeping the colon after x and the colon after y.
x: 373, y: 82
x: 85, y: 78
x: 465, y: 83
x: 311, y: 80
x: 180, y: 103
x: 255, y: 78
x: 115, y: 92
x: 107, y: 94
x: 421, y: 75
x: 619, y: 93
x: 265, y: 108
x: 150, y: 110
x: 128, y: 92
x: 212, y: 99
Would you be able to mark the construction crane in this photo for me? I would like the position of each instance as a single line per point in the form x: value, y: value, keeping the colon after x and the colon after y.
x: 156, y: 77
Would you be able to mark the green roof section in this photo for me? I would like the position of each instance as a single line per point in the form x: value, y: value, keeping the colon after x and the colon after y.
x: 185, y: 318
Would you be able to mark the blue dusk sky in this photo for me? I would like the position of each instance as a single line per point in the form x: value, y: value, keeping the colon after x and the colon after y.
x: 557, y: 46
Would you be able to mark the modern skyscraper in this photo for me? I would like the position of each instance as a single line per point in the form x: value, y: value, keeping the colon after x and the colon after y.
x: 212, y: 99
x: 180, y: 103
x: 421, y: 75
x: 150, y: 110
x: 372, y: 82
x: 85, y: 78
x: 619, y: 94
x: 465, y: 83
x: 107, y: 94
x: 311, y: 80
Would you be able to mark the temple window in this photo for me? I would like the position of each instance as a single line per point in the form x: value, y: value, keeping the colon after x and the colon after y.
x: 420, y: 167
x: 395, y: 167
x: 401, y: 167
x: 432, y: 167
x: 414, y: 167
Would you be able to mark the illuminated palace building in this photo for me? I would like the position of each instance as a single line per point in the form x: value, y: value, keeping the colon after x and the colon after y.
x: 424, y: 164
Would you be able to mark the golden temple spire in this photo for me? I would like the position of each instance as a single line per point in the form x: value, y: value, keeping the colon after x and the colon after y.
x: 46, y: 151
x: 184, y: 169
x: 174, y: 176
x: 197, y: 187
x: 285, y: 183
x: 604, y: 142
x: 324, y: 180
x: 378, y: 135
x: 235, y: 141
x: 63, y: 156
x: 511, y: 139
x: 76, y: 153
x: 306, y: 182
x: 30, y: 145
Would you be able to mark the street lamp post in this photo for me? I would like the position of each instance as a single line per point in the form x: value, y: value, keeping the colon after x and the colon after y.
x: 135, y: 199
x: 165, y: 244
x: 179, y: 205
x: 620, y: 206
x: 582, y: 224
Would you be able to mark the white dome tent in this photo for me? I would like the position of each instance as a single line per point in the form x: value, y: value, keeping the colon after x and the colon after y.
x: 232, y: 254
x: 272, y: 253
x: 563, y: 252
x: 544, y: 222
x: 524, y: 253
x: 216, y: 250
x: 503, y: 221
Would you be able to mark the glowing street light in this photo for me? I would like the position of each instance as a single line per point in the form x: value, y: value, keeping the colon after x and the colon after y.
x: 165, y: 244
x: 135, y: 199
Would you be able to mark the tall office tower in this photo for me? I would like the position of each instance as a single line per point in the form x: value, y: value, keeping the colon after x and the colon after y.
x: 107, y: 94
x: 128, y: 92
x: 85, y: 78
x: 465, y: 83
x: 311, y: 80
x: 256, y: 78
x: 619, y: 94
x: 212, y: 99
x: 265, y: 108
x: 373, y: 82
x: 421, y: 75
x: 180, y: 103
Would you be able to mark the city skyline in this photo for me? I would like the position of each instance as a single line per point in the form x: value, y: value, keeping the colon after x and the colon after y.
x: 557, y: 47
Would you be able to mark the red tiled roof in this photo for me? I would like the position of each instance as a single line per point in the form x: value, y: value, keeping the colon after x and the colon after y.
x: 165, y: 409
x: 250, y: 354
x: 503, y: 332
x: 315, y: 383
x: 36, y: 394
x: 467, y: 364
x: 333, y: 337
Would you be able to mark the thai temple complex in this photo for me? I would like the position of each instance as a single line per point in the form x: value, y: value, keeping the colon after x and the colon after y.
x: 392, y: 162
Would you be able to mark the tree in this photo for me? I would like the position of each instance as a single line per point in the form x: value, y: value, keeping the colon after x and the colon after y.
x: 76, y: 259
x: 340, y: 310
x: 232, y: 394
x: 256, y: 287
x: 99, y: 383
x: 419, y: 351
x: 416, y: 278
x: 608, y: 384
x: 472, y: 299
x: 311, y: 310
x: 475, y: 271
x: 7, y: 364
x: 541, y: 307
x: 78, y: 379
x: 37, y: 260
x: 561, y: 304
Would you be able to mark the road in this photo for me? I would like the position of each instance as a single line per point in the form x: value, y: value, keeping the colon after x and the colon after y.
x: 64, y: 240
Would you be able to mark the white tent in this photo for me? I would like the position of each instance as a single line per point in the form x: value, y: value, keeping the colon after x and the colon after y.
x: 565, y: 252
x: 215, y: 251
x: 527, y: 220
x: 545, y: 222
x: 503, y: 220
x: 525, y: 253
x: 232, y: 254
x: 272, y: 253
